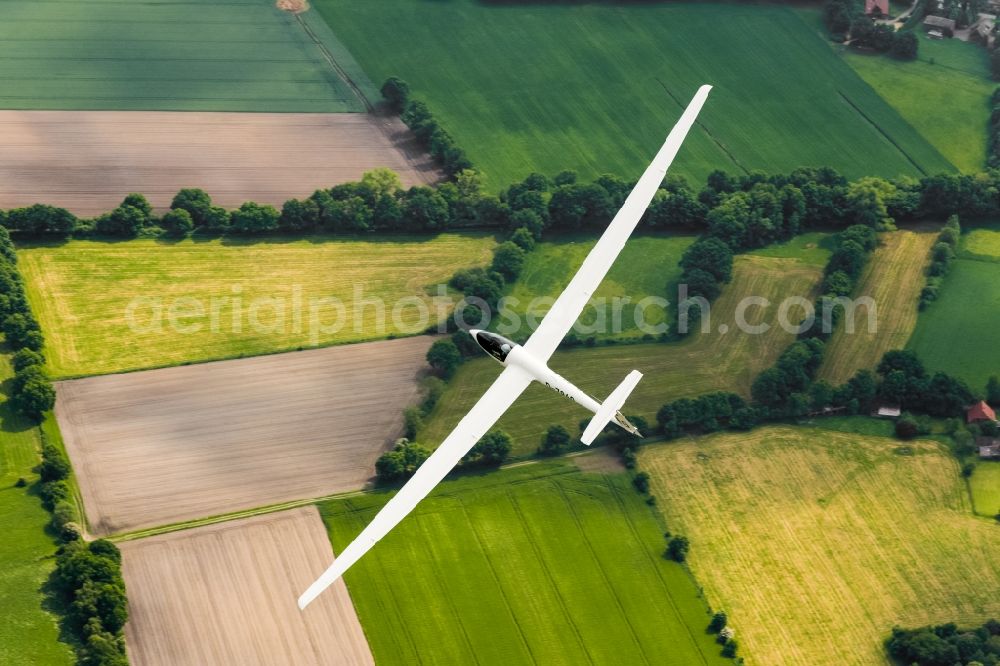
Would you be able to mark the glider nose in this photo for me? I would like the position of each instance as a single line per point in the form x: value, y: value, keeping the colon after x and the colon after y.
x: 474, y: 332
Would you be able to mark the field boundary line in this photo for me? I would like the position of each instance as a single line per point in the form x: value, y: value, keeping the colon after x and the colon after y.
x: 885, y: 134
x: 707, y: 131
x: 228, y: 517
x: 344, y: 76
x: 659, y: 574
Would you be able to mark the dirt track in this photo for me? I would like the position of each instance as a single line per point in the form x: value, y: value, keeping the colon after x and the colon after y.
x: 225, y: 594
x: 87, y: 161
x: 163, y: 446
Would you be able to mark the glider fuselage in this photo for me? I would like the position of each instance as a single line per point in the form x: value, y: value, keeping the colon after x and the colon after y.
x: 507, y: 352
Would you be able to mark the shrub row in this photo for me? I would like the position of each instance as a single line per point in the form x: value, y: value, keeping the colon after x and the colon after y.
x: 854, y: 247
x: 425, y: 127
x: 402, y: 461
x: 31, y: 391
x: 942, y: 255
x: 88, y: 578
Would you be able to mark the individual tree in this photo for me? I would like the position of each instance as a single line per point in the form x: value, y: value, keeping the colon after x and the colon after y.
x: 993, y: 391
x: 124, y: 221
x: 490, y: 451
x: 425, y: 210
x: 396, y: 92
x: 177, y: 222
x: 866, y: 202
x: 444, y: 357
x: 508, y: 260
x: 196, y: 202
x: 905, y: 45
x: 555, y: 440
x: 33, y: 394
x: 25, y: 358
x: 103, y: 601
x: 641, y: 482
x: 254, y: 218
x: 21, y: 330
x: 382, y: 182
x: 718, y: 623
x: 53, y: 468
x: 701, y: 283
x: 523, y: 237
x: 299, y: 215
x: 677, y: 548
x: 140, y: 203
x: 907, y: 426
x: 710, y: 255
x: 401, y: 463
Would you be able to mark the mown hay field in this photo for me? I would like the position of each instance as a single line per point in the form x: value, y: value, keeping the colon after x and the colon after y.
x: 29, y: 633
x: 893, y: 279
x: 225, y: 594
x: 176, y: 444
x: 816, y: 543
x: 105, y: 307
x: 957, y: 333
x: 703, y: 362
x: 541, y: 564
x: 172, y: 56
x: 596, y: 87
x: 985, y: 485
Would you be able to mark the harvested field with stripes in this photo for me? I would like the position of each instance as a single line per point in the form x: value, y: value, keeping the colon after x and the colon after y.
x: 87, y: 161
x: 165, y: 446
x: 225, y: 594
x: 816, y: 543
x: 893, y: 278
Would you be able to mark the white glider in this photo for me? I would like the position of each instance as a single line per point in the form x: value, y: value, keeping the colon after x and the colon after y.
x: 529, y: 363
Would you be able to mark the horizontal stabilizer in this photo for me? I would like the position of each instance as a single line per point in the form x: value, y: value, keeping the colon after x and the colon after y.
x: 609, y: 410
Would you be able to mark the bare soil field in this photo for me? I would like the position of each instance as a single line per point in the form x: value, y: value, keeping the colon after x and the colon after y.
x: 87, y: 161
x: 225, y: 594
x: 165, y: 446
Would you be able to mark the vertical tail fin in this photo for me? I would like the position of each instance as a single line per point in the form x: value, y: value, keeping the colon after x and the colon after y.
x: 610, y: 410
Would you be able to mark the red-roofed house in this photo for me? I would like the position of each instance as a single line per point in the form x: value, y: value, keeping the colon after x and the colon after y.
x: 880, y: 7
x: 980, y: 412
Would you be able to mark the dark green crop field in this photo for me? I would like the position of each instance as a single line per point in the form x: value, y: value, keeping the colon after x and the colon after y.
x: 170, y: 55
x: 595, y: 87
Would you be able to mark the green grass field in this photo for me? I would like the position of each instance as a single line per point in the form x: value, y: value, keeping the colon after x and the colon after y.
x: 595, y: 87
x: 28, y: 634
x: 944, y: 95
x: 542, y: 564
x: 967, y: 310
x: 648, y: 266
x: 817, y: 543
x: 170, y: 56
x: 701, y: 363
x: 81, y: 292
x: 985, y: 484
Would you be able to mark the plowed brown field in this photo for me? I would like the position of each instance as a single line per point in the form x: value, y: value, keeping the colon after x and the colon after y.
x: 164, y: 446
x: 87, y: 161
x: 225, y: 594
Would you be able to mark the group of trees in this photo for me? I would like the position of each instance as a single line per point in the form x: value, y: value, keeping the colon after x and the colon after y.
x: 424, y: 126
x: 947, y: 645
x: 31, y: 391
x: 847, y: 17
x: 705, y: 414
x: 406, y: 457
x: 905, y: 382
x: 942, y: 255
x: 89, y: 580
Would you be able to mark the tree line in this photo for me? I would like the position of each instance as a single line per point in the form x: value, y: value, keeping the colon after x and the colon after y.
x: 947, y: 645
x: 31, y: 391
x: 434, y: 138
x: 942, y: 256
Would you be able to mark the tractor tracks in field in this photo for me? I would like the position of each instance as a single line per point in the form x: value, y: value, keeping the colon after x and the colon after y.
x: 718, y: 142
x: 886, y: 135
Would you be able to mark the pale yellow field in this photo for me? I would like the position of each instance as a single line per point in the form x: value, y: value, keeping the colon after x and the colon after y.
x: 816, y: 543
x: 109, y: 307
x: 893, y: 279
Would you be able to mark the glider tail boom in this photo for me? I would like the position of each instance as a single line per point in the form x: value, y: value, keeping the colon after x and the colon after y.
x: 609, y: 410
